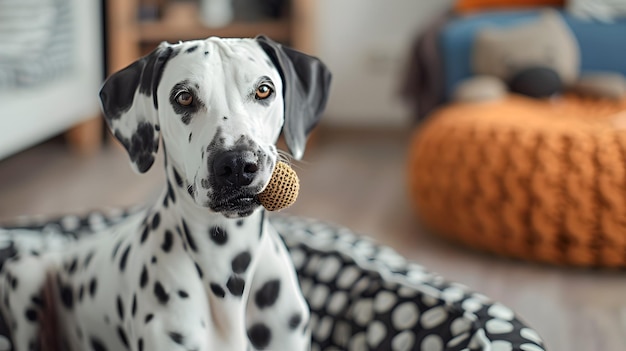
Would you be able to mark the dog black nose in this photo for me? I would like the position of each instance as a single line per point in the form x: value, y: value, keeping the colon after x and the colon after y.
x: 235, y: 168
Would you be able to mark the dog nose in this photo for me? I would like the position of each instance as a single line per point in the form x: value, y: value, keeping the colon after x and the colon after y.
x: 235, y: 168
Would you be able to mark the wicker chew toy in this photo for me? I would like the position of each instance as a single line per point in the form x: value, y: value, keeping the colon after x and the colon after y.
x: 282, y: 190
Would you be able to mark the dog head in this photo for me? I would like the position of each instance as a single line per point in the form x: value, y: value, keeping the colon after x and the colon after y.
x: 219, y: 105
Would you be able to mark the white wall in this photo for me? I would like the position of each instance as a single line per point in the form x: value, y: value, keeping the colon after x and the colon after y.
x: 365, y: 43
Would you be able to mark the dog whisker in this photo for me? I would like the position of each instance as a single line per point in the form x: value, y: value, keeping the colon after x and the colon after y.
x: 286, y: 157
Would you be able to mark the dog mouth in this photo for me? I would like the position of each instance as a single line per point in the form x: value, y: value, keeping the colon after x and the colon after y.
x: 237, y: 204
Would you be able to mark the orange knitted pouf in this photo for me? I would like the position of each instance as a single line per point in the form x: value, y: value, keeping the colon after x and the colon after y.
x: 538, y: 180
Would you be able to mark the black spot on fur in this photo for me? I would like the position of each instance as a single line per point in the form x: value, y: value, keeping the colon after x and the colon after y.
x: 176, y: 337
x: 259, y: 335
x: 81, y: 292
x: 295, y: 321
x: 71, y: 269
x: 190, y: 134
x: 120, y: 308
x: 235, y: 285
x: 166, y: 202
x: 200, y: 273
x: 97, y: 345
x: 88, y: 259
x: 144, y: 75
x: 157, y: 127
x: 189, y: 237
x: 217, y: 290
x: 117, y: 94
x: 148, y: 318
x: 183, y: 294
x: 191, y: 49
x: 116, y: 248
x: 14, y: 283
x: 37, y: 301
x: 133, y: 308
x: 124, y: 259
x: 144, y: 234
x: 177, y: 178
x: 171, y: 193
x: 155, y: 65
x: 241, y: 262
x: 67, y: 296
x: 93, y: 285
x: 140, y: 344
x: 31, y: 315
x: 267, y: 295
x: 160, y: 293
x: 168, y: 241
x: 218, y: 235
x: 239, y: 222
x: 33, y: 346
x: 206, y: 53
x: 154, y: 260
x: 143, y: 278
x: 156, y: 220
x: 141, y: 146
x: 164, y: 153
x: 122, y: 335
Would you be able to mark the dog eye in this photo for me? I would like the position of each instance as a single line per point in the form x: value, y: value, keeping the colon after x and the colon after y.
x: 184, y: 98
x: 263, y: 92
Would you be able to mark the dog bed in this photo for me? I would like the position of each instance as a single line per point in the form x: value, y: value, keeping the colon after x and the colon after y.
x: 541, y: 180
x: 362, y: 296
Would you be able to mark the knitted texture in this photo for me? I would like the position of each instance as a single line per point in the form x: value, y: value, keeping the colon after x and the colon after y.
x: 282, y: 190
x: 539, y: 180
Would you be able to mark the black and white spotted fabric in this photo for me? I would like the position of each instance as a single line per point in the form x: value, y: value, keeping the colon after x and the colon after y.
x: 362, y: 296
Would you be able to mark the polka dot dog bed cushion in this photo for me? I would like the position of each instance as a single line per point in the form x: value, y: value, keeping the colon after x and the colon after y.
x: 362, y: 296
x: 542, y: 180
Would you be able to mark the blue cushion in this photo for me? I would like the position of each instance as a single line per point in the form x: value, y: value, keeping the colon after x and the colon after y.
x: 602, y: 45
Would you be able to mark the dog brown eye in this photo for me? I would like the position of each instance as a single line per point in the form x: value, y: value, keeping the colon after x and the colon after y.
x: 184, y: 99
x: 263, y: 92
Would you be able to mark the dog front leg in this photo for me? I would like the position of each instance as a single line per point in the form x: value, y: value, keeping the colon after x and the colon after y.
x: 23, y: 280
x: 277, y: 314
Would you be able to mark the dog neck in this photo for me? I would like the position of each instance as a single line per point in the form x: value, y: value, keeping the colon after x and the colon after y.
x: 205, y: 234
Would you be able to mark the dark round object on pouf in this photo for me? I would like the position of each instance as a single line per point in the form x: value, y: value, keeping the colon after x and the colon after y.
x: 537, y: 82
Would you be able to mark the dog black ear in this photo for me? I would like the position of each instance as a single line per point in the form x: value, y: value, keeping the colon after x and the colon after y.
x: 129, y: 104
x: 306, y: 85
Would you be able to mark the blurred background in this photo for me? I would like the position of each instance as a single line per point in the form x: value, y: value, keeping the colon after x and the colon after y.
x: 395, y: 64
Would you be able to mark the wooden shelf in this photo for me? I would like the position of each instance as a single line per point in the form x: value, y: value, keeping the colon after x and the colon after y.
x: 181, y: 22
x: 129, y: 38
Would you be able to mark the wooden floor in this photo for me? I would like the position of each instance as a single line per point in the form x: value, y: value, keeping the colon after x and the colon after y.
x: 357, y: 181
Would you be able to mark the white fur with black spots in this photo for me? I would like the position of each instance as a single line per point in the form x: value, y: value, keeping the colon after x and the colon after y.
x: 201, y: 269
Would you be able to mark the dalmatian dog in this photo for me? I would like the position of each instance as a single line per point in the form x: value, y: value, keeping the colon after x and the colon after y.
x: 201, y: 269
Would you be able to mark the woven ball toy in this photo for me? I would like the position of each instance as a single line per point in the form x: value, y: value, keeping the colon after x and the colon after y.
x: 282, y: 190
